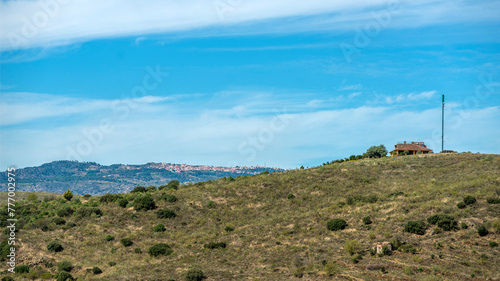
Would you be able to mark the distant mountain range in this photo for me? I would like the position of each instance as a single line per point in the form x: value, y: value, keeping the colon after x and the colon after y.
x: 92, y: 178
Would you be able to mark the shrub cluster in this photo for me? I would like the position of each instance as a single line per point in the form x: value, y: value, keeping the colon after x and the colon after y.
x: 109, y: 198
x: 144, y: 203
x: 367, y: 220
x: 59, y: 221
x: 22, y: 269
x: 123, y: 203
x: 195, y: 275
x: 168, y: 198
x: 65, y: 212
x: 109, y: 237
x: 215, y: 245
x: 461, y: 205
x: 165, y: 214
x: 161, y: 249
x: 446, y: 222
x: 126, y: 242
x: 336, y: 224
x: 88, y: 212
x: 482, y: 231
x: 55, y: 246
x: 159, y: 228
x: 468, y: 200
x: 174, y: 184
x: 493, y: 200
x: 138, y: 189
x: 65, y: 266
x: 417, y: 227
x: 290, y: 196
x: 64, y: 276
x: 96, y: 270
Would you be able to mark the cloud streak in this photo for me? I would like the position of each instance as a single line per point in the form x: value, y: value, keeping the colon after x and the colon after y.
x: 50, y: 23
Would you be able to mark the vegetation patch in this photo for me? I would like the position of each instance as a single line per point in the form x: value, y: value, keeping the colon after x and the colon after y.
x: 417, y: 227
x: 336, y: 224
x: 215, y: 245
x: 446, y: 222
x: 165, y: 214
x: 161, y: 249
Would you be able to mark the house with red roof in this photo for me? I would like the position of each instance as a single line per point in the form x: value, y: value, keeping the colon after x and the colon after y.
x: 410, y: 148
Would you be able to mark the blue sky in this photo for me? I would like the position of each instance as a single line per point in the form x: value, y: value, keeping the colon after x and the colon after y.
x: 241, y: 82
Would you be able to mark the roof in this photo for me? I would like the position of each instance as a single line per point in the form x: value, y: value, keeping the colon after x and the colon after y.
x: 411, y: 147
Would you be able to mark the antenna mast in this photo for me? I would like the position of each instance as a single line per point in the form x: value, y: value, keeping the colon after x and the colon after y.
x: 442, y: 128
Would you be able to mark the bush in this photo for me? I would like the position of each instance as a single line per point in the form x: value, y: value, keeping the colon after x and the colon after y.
x: 55, y: 246
x: 229, y: 228
x: 65, y: 266
x: 493, y: 244
x: 22, y: 269
x: 96, y: 270
x: 211, y: 204
x: 482, y: 231
x: 137, y: 251
x: 65, y: 212
x: 444, y: 221
x: 168, y: 197
x: 159, y: 228
x: 352, y: 247
x: 144, y: 203
x: 161, y: 249
x: 7, y: 278
x: 195, y: 275
x: 112, y: 263
x: 468, y: 200
x: 139, y: 189
x: 86, y: 196
x: 151, y: 188
x: 165, y: 214
x: 336, y: 224
x: 126, y: 242
x: 461, y: 205
x: 463, y: 225
x: 109, y: 237
x: 215, y: 245
x: 173, y: 184
x: 59, y: 221
x: 123, y: 203
x: 88, y: 212
x: 109, y: 198
x: 290, y: 196
x: 367, y: 220
x: 417, y: 227
x: 493, y: 200
x: 64, y: 276
x: 68, y: 195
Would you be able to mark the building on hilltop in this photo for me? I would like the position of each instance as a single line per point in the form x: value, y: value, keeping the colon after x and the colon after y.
x: 410, y: 148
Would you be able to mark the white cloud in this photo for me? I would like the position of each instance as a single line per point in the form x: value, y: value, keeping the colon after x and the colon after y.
x: 27, y: 24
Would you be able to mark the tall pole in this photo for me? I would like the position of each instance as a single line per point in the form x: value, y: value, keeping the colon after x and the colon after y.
x: 442, y: 128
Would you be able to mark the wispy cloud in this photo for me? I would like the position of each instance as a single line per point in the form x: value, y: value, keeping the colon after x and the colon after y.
x: 28, y: 24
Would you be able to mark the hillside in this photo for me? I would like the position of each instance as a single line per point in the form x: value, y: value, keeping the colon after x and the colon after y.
x: 274, y: 226
x: 92, y: 178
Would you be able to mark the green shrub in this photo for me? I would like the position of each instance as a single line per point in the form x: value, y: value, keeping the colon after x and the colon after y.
x: 336, y: 224
x: 137, y: 251
x: 144, y: 203
x: 65, y: 266
x: 211, y: 204
x: 352, y: 247
x: 55, y: 246
x: 215, y: 245
x: 109, y: 237
x: 126, y: 242
x: 493, y: 244
x: 59, y: 221
x: 174, y: 184
x: 96, y: 270
x: 112, y: 263
x: 493, y: 200
x: 161, y: 249
x: 88, y: 212
x: 65, y: 212
x: 482, y: 231
x: 139, y: 189
x: 64, y: 276
x: 417, y: 227
x: 461, y: 205
x: 290, y: 196
x: 87, y: 196
x: 463, y: 225
x: 468, y: 200
x: 151, y: 188
x: 68, y: 195
x: 356, y: 258
x: 168, y: 198
x: 22, y: 269
x: 195, y: 275
x: 165, y: 214
x: 446, y: 222
x: 367, y: 220
x: 109, y: 198
x: 7, y: 278
x: 123, y: 203
x: 159, y: 228
x: 229, y: 228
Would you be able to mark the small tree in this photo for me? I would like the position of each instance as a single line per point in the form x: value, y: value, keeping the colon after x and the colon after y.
x: 55, y: 246
x: 376, y: 151
x: 159, y: 228
x: 64, y: 276
x: 195, y: 275
x: 96, y: 270
x: 126, y: 242
x: 68, y: 195
x: 336, y: 224
x: 161, y: 249
x: 352, y: 247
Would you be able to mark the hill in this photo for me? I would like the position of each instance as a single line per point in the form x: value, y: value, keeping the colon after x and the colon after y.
x: 92, y: 178
x: 274, y: 226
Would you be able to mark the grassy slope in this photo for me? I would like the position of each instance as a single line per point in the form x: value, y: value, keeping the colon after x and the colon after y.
x: 276, y: 237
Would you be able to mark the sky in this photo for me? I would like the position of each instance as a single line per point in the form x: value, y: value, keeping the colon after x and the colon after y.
x: 278, y: 83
